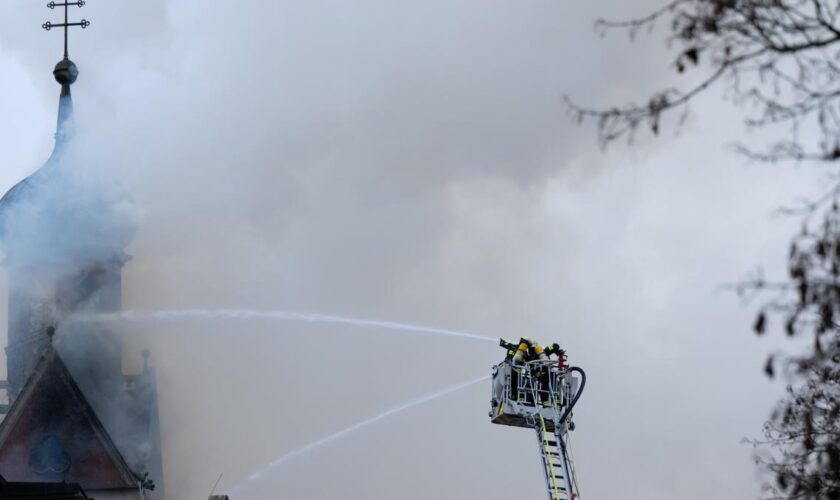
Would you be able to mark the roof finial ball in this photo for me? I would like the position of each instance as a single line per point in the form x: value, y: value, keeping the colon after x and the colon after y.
x: 65, y: 72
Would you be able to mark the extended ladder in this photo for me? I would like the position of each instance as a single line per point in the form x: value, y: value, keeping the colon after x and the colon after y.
x: 541, y: 395
x: 558, y: 469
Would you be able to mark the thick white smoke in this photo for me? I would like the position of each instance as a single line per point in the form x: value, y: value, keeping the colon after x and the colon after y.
x: 412, y: 162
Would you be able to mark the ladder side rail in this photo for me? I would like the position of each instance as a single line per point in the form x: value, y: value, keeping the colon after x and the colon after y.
x: 570, y: 478
x: 561, y: 430
x: 545, y: 456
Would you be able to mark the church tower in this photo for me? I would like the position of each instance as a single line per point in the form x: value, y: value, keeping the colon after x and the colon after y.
x: 74, y: 416
x: 63, y: 247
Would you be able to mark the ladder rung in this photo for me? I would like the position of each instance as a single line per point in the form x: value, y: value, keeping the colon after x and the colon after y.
x: 559, y: 475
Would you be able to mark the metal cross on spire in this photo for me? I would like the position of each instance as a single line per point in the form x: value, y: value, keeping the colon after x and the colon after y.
x: 84, y: 23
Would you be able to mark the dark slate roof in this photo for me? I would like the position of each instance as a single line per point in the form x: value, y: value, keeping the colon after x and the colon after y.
x: 45, y: 491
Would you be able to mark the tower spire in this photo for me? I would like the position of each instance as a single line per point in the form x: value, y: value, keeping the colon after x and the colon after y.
x: 65, y: 72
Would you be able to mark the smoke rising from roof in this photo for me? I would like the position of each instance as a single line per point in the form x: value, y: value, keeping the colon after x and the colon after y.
x: 412, y: 162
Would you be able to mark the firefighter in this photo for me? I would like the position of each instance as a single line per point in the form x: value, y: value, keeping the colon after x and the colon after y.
x: 510, y: 352
x: 554, y: 349
x: 514, y: 355
x: 517, y: 354
x: 510, y: 348
x: 529, y: 350
x: 536, y: 352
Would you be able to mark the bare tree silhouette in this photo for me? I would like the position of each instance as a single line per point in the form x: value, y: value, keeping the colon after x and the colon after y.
x: 779, y: 62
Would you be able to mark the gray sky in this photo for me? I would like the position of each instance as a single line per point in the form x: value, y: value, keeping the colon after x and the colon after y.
x: 414, y: 162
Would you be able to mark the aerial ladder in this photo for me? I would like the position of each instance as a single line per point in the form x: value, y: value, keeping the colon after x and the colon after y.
x: 531, y: 390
